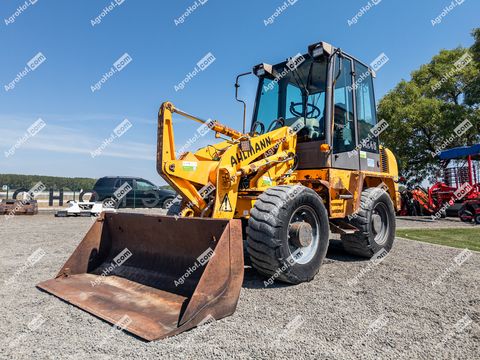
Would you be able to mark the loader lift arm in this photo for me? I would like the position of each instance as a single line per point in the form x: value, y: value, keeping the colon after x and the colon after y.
x: 193, y: 174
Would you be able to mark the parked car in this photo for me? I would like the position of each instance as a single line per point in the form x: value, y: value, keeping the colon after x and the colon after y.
x: 126, y: 191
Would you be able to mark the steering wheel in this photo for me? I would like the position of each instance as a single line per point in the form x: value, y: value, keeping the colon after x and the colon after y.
x: 312, y: 110
x: 280, y: 121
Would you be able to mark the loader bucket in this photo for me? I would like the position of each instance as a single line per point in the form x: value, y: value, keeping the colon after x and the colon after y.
x: 154, y: 276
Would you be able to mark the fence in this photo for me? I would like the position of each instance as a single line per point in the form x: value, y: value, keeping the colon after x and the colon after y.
x: 43, y: 198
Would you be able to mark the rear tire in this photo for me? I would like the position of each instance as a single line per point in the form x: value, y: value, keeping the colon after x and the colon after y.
x: 376, y: 223
x: 288, y: 234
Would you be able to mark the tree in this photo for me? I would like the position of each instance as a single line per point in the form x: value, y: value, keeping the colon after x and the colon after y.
x: 472, y: 90
x: 424, y: 112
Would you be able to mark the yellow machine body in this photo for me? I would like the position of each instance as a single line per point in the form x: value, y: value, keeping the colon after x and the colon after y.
x: 217, y: 169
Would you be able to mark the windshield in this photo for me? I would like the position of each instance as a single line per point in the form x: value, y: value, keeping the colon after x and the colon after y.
x: 296, y: 95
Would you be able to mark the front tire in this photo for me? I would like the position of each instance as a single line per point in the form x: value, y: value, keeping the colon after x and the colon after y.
x: 376, y: 223
x: 288, y: 234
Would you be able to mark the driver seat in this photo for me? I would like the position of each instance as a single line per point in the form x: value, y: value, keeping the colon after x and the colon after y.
x: 311, y: 131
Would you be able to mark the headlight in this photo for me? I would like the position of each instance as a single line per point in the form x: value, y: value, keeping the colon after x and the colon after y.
x: 262, y: 70
x: 319, y: 49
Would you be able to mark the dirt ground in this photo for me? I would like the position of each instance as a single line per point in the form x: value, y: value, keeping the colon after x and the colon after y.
x: 421, y: 301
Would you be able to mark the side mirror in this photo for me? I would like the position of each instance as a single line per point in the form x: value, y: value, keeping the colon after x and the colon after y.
x: 237, y: 85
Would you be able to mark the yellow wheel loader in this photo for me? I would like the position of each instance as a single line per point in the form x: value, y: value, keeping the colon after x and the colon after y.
x: 310, y: 163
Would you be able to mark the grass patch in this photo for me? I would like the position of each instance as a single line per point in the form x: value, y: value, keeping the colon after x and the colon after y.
x: 458, y: 238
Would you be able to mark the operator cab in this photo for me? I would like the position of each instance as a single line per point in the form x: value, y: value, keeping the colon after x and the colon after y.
x: 293, y: 92
x: 310, y: 92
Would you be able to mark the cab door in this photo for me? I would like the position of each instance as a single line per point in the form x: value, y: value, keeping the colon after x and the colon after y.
x: 367, y: 127
x: 345, y: 153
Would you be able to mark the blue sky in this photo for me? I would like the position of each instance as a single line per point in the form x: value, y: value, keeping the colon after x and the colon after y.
x: 77, y: 54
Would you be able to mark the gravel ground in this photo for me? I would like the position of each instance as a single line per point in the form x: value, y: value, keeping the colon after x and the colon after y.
x: 353, y: 309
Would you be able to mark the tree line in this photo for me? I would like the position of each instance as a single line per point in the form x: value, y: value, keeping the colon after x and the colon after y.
x: 424, y: 113
x: 16, y: 181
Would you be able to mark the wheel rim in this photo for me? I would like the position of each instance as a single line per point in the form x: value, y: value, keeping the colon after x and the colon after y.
x: 168, y: 203
x: 380, y: 223
x: 303, y: 255
x: 109, y: 203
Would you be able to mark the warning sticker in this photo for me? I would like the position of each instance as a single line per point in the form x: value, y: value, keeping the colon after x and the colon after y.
x: 189, y: 165
x: 266, y: 181
x: 226, y: 206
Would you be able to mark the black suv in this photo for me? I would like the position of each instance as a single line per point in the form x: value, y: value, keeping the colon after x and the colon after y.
x: 125, y: 191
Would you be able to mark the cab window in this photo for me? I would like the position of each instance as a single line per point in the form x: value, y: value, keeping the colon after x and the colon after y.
x: 366, y: 114
x: 344, y: 129
x: 268, y: 103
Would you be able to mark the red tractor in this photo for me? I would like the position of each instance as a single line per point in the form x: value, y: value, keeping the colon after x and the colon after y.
x: 458, y: 191
x: 462, y: 175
